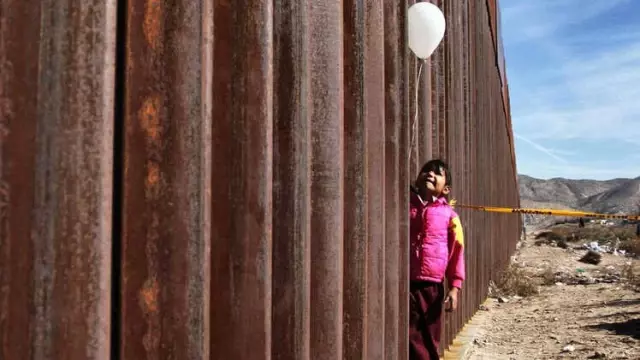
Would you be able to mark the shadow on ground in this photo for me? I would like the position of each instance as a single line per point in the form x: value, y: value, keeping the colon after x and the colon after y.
x: 629, y: 327
x: 614, y: 315
x: 620, y: 303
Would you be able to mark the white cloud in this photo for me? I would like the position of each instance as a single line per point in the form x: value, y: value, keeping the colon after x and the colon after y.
x: 545, y: 170
x: 587, y: 91
x: 599, y: 93
x: 537, y: 19
x: 550, y: 152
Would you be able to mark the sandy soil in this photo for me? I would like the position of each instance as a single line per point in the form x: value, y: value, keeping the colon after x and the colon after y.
x: 600, y: 320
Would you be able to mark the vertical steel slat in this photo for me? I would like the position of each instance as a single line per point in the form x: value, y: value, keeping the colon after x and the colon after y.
x: 426, y: 113
x: 440, y: 54
x: 381, y: 302
x: 450, y: 319
x: 167, y: 180
x: 291, y: 192
x: 413, y: 146
x: 475, y: 236
x: 438, y: 90
x: 241, y: 186
x: 71, y: 232
x: 404, y: 178
x: 397, y: 177
x: 426, y: 116
x: 327, y: 173
x: 468, y: 158
x: 460, y: 135
x: 414, y: 124
x: 356, y: 194
x: 19, y: 50
x: 455, y: 143
x: 56, y: 134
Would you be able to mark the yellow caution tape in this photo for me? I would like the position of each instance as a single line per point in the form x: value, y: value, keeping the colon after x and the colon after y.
x: 552, y: 212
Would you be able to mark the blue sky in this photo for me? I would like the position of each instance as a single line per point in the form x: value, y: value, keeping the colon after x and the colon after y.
x: 574, y: 76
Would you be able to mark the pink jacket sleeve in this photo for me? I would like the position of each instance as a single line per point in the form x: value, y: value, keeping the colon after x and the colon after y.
x: 455, y: 268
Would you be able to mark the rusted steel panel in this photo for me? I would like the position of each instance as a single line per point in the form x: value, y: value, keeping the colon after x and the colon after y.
x: 356, y: 194
x: 166, y: 180
x: 397, y: 175
x: 438, y: 93
x: 326, y: 70
x: 19, y: 44
x: 454, y: 119
x: 291, y: 176
x: 443, y: 105
x: 404, y: 178
x: 304, y: 109
x: 469, y: 225
x: 425, y: 116
x: 364, y: 307
x: 56, y: 131
x: 241, y: 186
x: 492, y: 7
x: 382, y: 306
x: 500, y: 58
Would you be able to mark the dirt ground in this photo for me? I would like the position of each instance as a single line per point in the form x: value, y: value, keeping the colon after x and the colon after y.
x: 598, y: 319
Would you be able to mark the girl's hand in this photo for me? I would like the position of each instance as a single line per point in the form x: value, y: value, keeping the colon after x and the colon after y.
x: 451, y: 301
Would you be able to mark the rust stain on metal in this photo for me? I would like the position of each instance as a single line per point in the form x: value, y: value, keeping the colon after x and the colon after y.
x: 150, y: 118
x: 153, y: 174
x: 153, y: 24
x: 166, y: 186
x: 149, y: 296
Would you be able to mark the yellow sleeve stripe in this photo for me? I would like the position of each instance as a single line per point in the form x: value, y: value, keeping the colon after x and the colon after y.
x: 456, y: 226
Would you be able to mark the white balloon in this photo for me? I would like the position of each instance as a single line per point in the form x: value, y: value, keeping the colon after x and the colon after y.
x: 426, y: 28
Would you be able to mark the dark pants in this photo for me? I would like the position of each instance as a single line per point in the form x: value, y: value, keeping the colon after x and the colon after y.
x: 425, y: 319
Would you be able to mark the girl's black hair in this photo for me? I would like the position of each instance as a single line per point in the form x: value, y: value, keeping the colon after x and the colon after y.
x: 437, y: 166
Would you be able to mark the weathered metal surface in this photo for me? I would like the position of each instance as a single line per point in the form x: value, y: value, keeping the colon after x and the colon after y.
x: 396, y: 171
x: 261, y: 174
x: 381, y: 303
x: 166, y: 182
x: 18, y: 121
x: 326, y: 69
x: 241, y: 186
x: 56, y: 121
x: 291, y: 190
x: 356, y: 314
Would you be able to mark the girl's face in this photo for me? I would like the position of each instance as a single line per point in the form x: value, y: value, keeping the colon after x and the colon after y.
x: 433, y: 182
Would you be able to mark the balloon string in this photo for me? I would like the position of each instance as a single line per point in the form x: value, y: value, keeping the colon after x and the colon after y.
x: 415, y: 117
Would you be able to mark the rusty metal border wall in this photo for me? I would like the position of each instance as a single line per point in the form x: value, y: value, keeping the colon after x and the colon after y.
x: 208, y: 179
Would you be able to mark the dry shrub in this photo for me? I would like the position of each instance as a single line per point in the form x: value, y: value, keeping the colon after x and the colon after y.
x: 631, y: 246
x: 625, y: 233
x: 548, y: 277
x: 631, y: 273
x: 550, y: 236
x: 515, y: 280
x: 602, y: 234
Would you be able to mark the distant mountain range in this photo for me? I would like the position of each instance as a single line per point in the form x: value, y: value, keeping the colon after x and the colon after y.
x: 617, y: 196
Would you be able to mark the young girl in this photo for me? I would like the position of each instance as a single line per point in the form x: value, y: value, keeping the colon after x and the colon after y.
x: 436, y: 252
